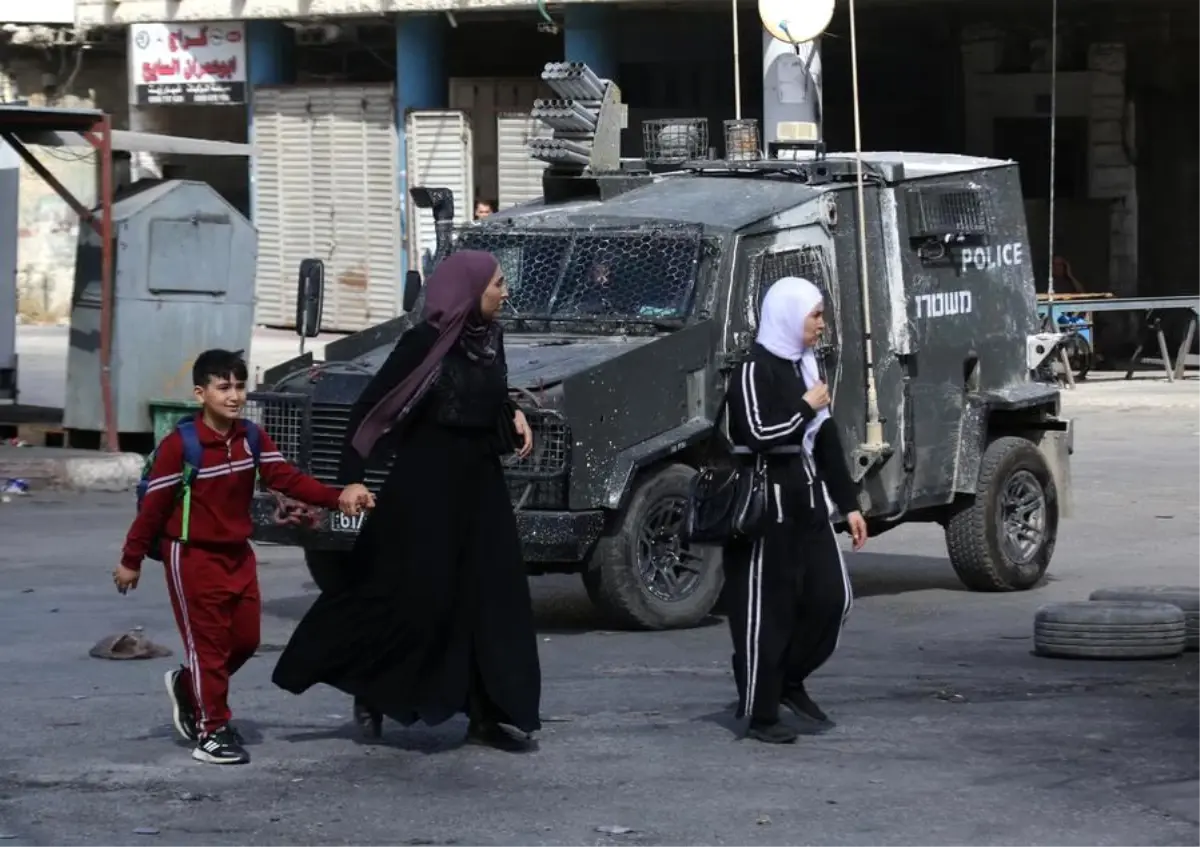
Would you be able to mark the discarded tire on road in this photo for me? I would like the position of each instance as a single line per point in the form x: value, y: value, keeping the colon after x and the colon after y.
x: 1187, y: 599
x: 1109, y: 629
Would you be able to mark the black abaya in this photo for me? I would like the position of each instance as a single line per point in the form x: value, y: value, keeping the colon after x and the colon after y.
x: 437, y: 617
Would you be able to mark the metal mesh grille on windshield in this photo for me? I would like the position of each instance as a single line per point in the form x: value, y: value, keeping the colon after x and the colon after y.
x: 623, y: 274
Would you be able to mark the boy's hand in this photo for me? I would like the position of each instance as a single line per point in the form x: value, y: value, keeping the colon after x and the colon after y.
x: 354, y: 498
x: 125, y: 578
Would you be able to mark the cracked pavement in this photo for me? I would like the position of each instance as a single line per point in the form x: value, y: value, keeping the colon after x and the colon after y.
x: 949, y: 730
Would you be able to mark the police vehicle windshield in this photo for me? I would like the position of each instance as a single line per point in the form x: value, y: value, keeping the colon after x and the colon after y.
x: 593, y: 275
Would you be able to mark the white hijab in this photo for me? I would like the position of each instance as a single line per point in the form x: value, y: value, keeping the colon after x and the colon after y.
x: 781, y: 331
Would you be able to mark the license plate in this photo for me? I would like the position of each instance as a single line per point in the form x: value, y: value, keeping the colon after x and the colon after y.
x: 346, y: 523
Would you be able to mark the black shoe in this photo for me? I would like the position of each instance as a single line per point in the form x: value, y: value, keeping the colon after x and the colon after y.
x: 368, y: 720
x: 491, y: 734
x: 220, y: 748
x: 801, y: 705
x: 772, y: 733
x: 183, y: 713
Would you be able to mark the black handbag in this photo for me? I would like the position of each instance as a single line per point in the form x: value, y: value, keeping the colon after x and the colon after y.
x: 728, y: 499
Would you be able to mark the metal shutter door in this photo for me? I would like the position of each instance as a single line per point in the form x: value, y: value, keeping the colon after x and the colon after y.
x: 519, y: 174
x: 362, y: 280
x: 439, y: 156
x: 286, y: 139
x: 325, y: 187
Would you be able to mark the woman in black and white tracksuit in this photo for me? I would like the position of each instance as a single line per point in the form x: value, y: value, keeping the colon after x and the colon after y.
x: 789, y: 589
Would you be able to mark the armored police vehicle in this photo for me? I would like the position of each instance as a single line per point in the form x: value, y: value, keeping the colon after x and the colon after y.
x: 634, y: 288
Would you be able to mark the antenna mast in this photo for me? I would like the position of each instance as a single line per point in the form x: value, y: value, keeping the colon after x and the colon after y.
x: 874, y: 439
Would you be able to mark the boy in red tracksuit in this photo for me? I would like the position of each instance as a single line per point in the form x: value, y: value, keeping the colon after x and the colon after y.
x: 212, y: 577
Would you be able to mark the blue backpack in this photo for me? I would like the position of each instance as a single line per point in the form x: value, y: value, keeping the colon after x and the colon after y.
x: 193, y: 455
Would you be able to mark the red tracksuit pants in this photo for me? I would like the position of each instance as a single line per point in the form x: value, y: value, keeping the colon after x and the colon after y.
x: 214, y: 591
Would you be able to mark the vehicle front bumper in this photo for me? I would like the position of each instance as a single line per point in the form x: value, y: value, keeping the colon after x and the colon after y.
x: 546, y: 536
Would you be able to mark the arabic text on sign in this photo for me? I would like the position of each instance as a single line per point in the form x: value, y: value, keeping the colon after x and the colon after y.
x: 189, y: 69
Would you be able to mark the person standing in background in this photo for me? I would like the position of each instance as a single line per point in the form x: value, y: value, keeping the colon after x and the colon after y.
x: 484, y: 208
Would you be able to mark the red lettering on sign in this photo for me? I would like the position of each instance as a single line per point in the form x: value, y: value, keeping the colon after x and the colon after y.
x: 215, y: 69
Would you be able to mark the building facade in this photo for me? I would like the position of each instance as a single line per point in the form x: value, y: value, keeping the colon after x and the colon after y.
x: 349, y: 102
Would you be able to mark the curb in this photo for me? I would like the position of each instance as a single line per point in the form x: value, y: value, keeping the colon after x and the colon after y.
x: 118, y: 472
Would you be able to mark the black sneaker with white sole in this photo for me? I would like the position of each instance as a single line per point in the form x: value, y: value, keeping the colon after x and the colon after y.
x: 221, y: 748
x: 183, y: 713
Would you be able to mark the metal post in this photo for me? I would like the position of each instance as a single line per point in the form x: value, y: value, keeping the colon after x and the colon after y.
x: 1185, y: 348
x: 103, y: 129
x: 737, y: 66
x: 1053, y: 144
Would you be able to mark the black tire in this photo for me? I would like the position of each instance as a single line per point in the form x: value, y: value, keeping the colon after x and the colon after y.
x: 1104, y: 629
x: 329, y: 569
x: 1079, y: 355
x: 975, y: 534
x: 614, y: 576
x: 1186, y: 599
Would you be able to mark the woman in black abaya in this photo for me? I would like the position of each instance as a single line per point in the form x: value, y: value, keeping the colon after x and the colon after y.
x: 436, y: 618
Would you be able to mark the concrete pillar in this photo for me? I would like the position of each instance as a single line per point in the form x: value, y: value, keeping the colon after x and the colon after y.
x: 421, y: 83
x: 270, y: 60
x: 590, y: 36
x: 789, y: 92
x: 270, y: 53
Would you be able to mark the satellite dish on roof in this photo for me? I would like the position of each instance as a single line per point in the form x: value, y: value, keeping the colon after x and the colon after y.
x: 795, y: 21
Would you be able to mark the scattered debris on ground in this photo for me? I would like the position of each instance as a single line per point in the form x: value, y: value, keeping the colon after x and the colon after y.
x: 128, y: 645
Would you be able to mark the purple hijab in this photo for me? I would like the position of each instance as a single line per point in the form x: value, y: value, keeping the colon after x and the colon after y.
x: 452, y: 299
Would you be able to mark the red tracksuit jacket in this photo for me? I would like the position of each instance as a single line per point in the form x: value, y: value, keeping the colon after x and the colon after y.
x: 221, y: 492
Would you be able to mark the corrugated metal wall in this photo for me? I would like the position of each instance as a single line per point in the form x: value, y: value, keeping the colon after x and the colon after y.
x: 439, y: 156
x: 519, y: 175
x: 326, y: 186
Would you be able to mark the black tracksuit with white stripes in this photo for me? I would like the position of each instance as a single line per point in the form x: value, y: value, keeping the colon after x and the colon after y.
x: 789, y: 591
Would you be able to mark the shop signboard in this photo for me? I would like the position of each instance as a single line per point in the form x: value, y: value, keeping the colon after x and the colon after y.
x: 187, y: 64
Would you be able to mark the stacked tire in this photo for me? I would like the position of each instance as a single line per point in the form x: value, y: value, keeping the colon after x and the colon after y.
x: 1120, y: 623
x: 1186, y: 599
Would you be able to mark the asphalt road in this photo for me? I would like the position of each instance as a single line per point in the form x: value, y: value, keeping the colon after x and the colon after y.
x: 638, y: 731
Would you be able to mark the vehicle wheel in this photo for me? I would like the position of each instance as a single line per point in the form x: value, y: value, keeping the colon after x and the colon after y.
x: 1186, y: 599
x: 1107, y: 629
x: 328, y: 568
x: 643, y: 575
x: 1002, y: 538
x: 1079, y: 355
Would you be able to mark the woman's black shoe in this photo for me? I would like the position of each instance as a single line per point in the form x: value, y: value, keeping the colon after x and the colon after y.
x: 369, y: 721
x: 490, y: 734
x: 772, y: 733
x: 802, y: 705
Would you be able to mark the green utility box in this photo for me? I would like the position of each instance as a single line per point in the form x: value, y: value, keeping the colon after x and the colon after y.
x: 165, y: 414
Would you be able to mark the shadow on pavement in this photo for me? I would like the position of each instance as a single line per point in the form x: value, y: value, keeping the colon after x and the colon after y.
x: 883, y: 574
x: 561, y: 606
x: 417, y: 739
